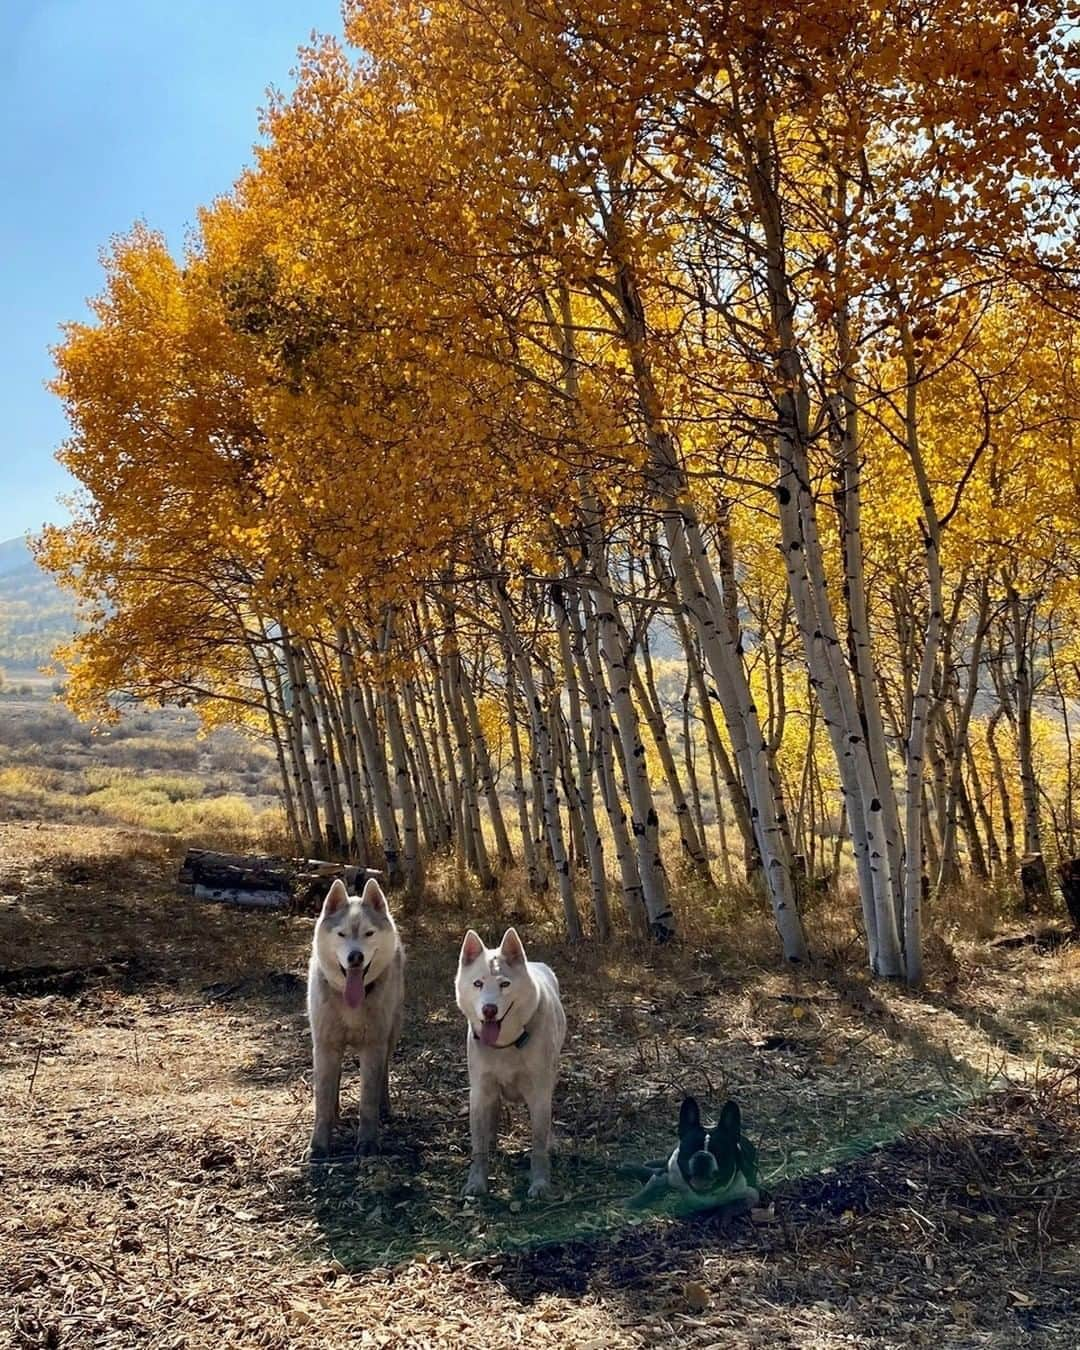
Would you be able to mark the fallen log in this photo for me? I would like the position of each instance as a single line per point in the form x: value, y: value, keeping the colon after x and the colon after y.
x: 254, y: 881
x: 244, y: 899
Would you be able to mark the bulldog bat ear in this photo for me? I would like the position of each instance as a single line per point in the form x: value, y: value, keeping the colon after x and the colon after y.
x: 511, y: 948
x: 471, y: 949
x: 689, y: 1116
x: 372, y: 895
x: 336, y: 897
x: 730, y: 1122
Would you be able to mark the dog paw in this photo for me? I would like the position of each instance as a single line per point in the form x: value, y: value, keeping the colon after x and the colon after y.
x: 474, y: 1186
x: 540, y: 1189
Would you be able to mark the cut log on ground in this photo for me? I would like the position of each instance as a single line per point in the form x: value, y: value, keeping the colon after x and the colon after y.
x: 252, y: 881
x: 243, y: 899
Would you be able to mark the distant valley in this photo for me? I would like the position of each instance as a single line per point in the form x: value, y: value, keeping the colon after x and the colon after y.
x: 35, y: 614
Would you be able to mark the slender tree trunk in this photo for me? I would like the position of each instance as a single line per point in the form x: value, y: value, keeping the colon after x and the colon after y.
x: 985, y: 816
x: 544, y: 750
x: 334, y: 841
x: 584, y: 784
x: 1012, y: 861
x: 649, y: 701
x: 586, y: 648
x: 690, y: 760
x: 412, y: 863
x: 644, y: 820
x: 528, y: 846
x: 1020, y: 621
x: 375, y: 770
x: 273, y: 704
x: 482, y: 759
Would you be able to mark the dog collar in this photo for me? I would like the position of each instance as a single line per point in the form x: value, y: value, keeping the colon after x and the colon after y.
x: 514, y: 1045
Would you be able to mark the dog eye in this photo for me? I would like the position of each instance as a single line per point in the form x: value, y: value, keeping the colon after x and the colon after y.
x: 504, y: 984
x: 478, y: 984
x: 342, y: 933
x: 370, y: 932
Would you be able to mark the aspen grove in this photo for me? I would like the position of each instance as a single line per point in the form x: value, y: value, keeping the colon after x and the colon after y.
x: 632, y: 443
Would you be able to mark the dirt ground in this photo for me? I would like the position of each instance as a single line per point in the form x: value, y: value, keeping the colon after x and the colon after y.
x: 922, y: 1152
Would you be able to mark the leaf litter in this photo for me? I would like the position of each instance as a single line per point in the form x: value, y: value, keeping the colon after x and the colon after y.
x: 924, y: 1177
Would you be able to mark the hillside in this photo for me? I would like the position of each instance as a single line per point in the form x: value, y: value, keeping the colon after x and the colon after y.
x: 35, y: 614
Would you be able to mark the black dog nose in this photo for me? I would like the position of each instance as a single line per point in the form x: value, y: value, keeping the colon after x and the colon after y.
x: 356, y: 958
x: 490, y: 1011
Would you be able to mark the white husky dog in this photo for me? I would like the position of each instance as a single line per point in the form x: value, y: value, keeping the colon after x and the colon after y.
x: 356, y: 988
x: 516, y: 1031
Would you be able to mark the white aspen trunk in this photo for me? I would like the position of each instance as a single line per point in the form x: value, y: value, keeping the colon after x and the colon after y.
x: 425, y: 732
x: 917, y: 729
x: 1008, y: 827
x: 412, y: 862
x: 869, y: 703
x: 718, y: 755
x: 649, y: 701
x: 1019, y: 634
x: 375, y: 769
x: 586, y: 651
x: 294, y: 751
x: 296, y: 723
x: 702, y: 601
x: 644, y: 821
x: 528, y: 845
x: 690, y: 760
x: 482, y: 759
x: 864, y: 796
x: 978, y: 796
x: 274, y: 719
x: 425, y: 815
x: 420, y: 768
x: 698, y: 591
x: 361, y: 829
x: 336, y: 748
x: 584, y: 783
x: 475, y: 844
x: 331, y: 833
x: 960, y: 739
x: 443, y: 739
x: 718, y: 806
x: 544, y: 751
x: 579, y: 855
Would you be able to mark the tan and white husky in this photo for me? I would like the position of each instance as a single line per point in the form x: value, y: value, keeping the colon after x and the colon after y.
x: 356, y: 989
x: 516, y: 1032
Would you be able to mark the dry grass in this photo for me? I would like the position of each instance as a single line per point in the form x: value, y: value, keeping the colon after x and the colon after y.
x: 923, y: 1150
x: 151, y: 771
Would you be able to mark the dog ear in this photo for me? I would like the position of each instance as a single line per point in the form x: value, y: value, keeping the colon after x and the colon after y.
x: 372, y: 895
x: 730, y: 1123
x: 689, y: 1116
x: 336, y: 896
x: 511, y: 949
x: 471, y: 949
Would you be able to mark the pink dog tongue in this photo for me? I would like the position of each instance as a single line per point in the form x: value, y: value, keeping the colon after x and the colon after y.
x: 354, y: 987
x: 489, y: 1032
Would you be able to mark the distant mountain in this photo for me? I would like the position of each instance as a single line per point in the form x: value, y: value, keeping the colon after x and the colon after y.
x: 35, y: 614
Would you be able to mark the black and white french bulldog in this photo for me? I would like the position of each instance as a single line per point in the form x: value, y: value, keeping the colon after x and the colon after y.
x: 710, y: 1166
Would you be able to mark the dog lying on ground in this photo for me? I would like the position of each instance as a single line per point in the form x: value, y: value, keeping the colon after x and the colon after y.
x: 356, y: 989
x: 709, y: 1166
x: 516, y: 1031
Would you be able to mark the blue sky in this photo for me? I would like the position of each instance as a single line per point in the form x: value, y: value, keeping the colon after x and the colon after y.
x: 111, y: 111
